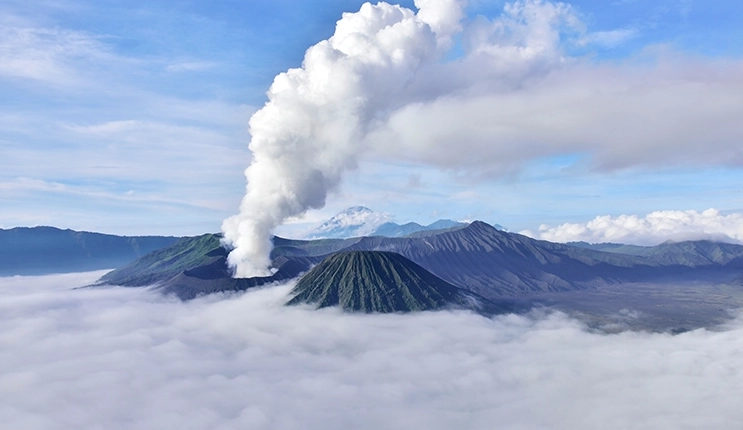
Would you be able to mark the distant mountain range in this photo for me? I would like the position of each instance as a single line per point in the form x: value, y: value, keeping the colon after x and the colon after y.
x: 476, y: 266
x: 477, y: 257
x: 689, y: 253
x: 361, y: 221
x: 44, y: 250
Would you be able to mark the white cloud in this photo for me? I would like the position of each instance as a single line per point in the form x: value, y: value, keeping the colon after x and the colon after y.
x: 652, y: 229
x: 127, y: 358
x: 609, y: 38
x: 619, y: 116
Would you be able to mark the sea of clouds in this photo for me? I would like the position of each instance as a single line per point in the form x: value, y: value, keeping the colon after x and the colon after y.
x: 118, y: 358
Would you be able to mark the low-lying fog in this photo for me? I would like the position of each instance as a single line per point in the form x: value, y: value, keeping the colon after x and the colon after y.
x: 119, y: 358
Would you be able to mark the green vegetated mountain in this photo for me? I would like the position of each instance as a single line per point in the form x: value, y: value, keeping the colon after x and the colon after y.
x: 185, y: 254
x: 476, y: 257
x: 195, y: 266
x: 45, y: 250
x: 378, y: 281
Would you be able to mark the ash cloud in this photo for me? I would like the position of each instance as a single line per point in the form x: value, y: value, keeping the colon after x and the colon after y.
x: 652, y: 229
x: 480, y: 95
x: 128, y: 358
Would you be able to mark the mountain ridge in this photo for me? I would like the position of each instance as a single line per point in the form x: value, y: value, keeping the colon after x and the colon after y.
x: 45, y: 250
x: 477, y: 257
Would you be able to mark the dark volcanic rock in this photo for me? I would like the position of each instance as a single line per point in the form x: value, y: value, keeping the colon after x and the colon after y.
x: 376, y: 281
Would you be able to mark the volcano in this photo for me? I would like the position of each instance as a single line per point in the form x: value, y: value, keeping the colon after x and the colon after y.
x: 378, y: 281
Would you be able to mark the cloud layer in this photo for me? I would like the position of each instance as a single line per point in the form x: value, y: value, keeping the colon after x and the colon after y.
x: 126, y: 358
x: 652, y: 229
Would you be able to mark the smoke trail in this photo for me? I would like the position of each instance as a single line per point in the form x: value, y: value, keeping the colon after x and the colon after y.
x: 312, y: 128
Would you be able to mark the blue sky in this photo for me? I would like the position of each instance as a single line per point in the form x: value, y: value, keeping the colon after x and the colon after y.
x: 132, y: 117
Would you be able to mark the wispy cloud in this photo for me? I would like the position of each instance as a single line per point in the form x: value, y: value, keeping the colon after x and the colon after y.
x: 55, y: 56
x: 194, y: 66
x: 609, y: 38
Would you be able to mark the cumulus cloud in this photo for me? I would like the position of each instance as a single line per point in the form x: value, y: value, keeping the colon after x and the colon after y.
x: 386, y: 86
x: 652, y: 229
x: 127, y: 358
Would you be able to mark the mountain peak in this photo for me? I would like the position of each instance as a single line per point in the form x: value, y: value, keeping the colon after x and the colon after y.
x: 351, y: 222
x: 480, y: 226
x: 357, y: 209
x: 377, y: 281
x: 359, y: 221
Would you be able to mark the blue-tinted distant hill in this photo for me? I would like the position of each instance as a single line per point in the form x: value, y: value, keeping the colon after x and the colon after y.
x: 695, y: 253
x: 391, y: 229
x: 360, y: 221
x: 46, y: 250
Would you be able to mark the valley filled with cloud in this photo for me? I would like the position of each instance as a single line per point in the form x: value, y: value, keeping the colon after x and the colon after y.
x: 120, y: 358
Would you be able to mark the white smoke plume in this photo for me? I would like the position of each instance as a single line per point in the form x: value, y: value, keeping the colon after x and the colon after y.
x: 126, y: 358
x: 652, y: 229
x: 481, y: 95
x: 310, y: 131
x: 314, y: 126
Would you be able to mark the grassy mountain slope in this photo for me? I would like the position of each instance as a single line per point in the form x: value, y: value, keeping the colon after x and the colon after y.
x: 195, y: 266
x: 374, y: 281
x: 187, y: 253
